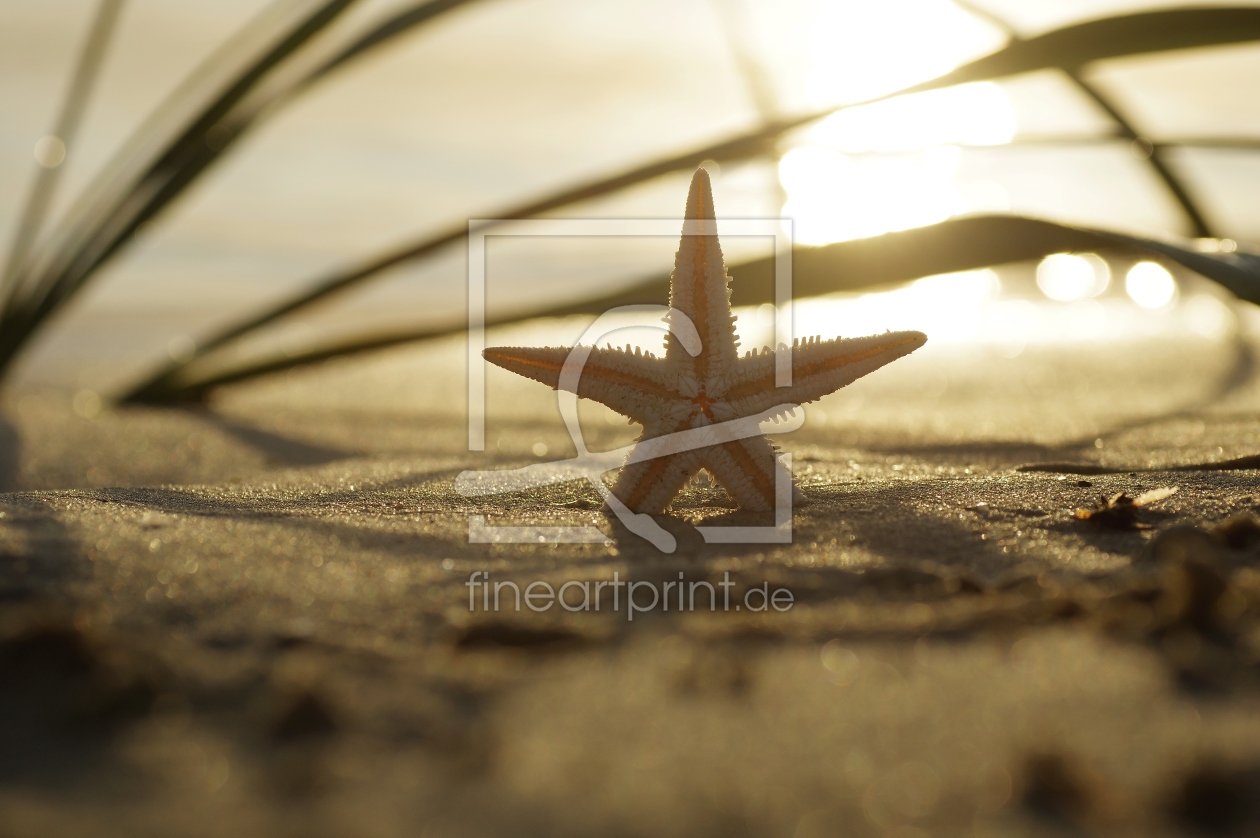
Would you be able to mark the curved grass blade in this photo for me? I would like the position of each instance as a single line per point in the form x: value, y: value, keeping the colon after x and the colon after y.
x: 1079, y: 44
x: 67, y: 126
x: 381, y: 33
x: 1067, y: 48
x: 1155, y: 155
x: 128, y: 195
x: 221, y: 99
x: 968, y: 243
x: 741, y: 148
x: 94, y: 233
x: 957, y: 244
x: 1222, y: 143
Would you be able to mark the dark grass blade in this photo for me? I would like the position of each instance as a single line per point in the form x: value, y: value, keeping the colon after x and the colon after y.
x: 1225, y: 143
x: 66, y: 128
x: 1075, y: 46
x: 962, y: 244
x: 1222, y: 143
x: 383, y: 32
x: 955, y: 245
x: 1171, y: 143
x: 1156, y: 156
x: 97, y: 232
x: 1067, y: 48
x: 740, y: 149
x: 118, y: 208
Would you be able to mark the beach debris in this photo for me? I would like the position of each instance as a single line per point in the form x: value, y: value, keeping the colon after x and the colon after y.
x: 1194, y: 580
x: 307, y: 716
x: 1200, y: 616
x: 1218, y: 799
x: 1120, y: 511
x: 918, y: 583
x: 1062, y: 790
x: 301, y: 733
x: 702, y: 389
x: 1239, y: 532
x: 55, y: 675
x: 515, y: 635
x: 697, y: 669
x: 152, y: 520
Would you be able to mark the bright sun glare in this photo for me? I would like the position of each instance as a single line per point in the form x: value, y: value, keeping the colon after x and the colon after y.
x: 838, y: 190
x: 892, y: 165
x: 862, y: 49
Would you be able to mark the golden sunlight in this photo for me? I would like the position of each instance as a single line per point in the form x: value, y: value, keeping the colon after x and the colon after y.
x: 969, y: 114
x: 892, y: 165
x: 861, y: 49
x: 832, y: 197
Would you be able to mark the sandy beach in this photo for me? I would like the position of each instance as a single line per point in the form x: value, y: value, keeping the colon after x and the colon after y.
x: 254, y: 618
x: 1020, y: 594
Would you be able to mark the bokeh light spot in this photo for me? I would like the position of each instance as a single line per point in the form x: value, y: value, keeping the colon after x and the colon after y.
x: 1150, y: 285
x: 1068, y: 276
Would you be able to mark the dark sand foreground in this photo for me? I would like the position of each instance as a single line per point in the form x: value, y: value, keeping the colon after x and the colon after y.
x: 254, y: 619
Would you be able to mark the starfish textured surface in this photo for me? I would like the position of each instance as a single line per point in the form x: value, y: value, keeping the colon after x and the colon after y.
x: 682, y: 391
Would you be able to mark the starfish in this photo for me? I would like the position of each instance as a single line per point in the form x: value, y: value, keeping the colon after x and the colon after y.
x: 683, y: 391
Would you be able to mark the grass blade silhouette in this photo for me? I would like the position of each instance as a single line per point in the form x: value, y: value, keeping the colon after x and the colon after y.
x: 1155, y: 156
x: 957, y: 244
x: 64, y: 131
x: 1068, y: 48
x: 94, y: 233
x: 160, y: 162
x: 383, y: 32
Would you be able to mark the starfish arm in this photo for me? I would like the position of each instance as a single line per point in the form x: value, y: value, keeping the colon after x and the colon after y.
x: 748, y: 469
x: 631, y: 383
x: 649, y: 485
x: 699, y: 288
x: 819, y: 367
x: 682, y: 392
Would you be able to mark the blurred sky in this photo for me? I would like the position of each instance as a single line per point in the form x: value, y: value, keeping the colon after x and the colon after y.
x: 509, y: 99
